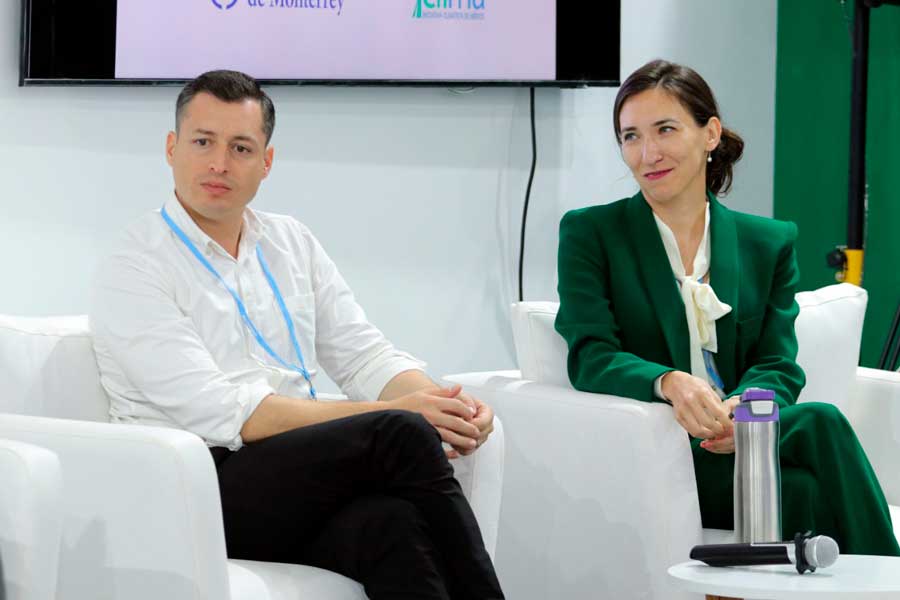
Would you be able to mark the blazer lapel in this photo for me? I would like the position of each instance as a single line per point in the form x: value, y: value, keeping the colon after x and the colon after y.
x: 659, y: 282
x: 724, y: 273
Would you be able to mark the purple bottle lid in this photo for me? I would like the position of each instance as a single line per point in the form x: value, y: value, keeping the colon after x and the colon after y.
x: 757, y: 406
x: 757, y: 394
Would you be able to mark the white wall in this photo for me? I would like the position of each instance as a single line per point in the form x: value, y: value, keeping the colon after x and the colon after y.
x: 416, y: 193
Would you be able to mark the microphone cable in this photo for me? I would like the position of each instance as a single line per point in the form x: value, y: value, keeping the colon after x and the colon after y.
x: 527, y: 194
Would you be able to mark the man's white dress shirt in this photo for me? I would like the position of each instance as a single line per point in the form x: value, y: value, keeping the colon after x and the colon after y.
x: 172, y: 348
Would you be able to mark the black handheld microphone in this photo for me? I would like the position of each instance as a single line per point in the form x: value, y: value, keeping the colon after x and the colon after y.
x: 806, y: 552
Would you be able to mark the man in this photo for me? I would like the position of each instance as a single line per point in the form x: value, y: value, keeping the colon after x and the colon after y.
x: 212, y: 317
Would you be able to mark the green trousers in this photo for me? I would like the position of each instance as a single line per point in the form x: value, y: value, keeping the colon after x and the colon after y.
x: 827, y: 484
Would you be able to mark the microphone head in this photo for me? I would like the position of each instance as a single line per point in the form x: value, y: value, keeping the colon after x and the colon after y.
x: 821, y: 551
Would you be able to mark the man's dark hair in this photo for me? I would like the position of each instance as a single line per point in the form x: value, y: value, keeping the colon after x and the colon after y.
x: 228, y: 86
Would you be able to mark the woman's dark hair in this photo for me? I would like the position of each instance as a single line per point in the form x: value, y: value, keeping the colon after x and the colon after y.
x: 694, y: 94
x: 228, y: 86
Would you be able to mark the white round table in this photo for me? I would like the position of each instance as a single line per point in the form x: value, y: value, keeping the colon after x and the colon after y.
x: 852, y: 576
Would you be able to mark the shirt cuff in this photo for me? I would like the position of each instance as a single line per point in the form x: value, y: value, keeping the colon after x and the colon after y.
x: 369, y: 382
x: 657, y: 387
x: 249, y: 400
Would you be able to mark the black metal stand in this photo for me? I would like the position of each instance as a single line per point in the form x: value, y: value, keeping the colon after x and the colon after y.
x: 856, y: 199
x: 891, y: 350
x: 849, y: 259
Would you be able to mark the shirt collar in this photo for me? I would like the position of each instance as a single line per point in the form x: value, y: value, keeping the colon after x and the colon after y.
x: 701, y: 259
x: 251, y: 230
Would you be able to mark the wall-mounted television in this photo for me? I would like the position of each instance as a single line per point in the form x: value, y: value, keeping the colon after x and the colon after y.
x: 456, y: 43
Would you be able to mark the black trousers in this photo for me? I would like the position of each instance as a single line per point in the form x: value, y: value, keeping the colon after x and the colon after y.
x: 370, y: 496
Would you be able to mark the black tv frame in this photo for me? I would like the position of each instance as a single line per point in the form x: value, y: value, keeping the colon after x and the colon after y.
x: 581, y: 46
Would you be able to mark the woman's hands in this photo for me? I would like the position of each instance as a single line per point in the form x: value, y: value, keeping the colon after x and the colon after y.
x: 697, y: 407
x: 723, y: 445
x: 700, y: 411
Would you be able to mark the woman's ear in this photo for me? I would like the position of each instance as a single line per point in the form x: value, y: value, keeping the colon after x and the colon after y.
x: 713, y: 133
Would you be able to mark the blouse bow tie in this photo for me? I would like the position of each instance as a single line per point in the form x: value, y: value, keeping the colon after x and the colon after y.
x: 703, y: 308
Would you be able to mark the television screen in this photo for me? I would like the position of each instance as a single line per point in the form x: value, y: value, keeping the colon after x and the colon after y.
x: 414, y: 42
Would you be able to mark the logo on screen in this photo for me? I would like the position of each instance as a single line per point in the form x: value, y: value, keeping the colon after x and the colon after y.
x: 449, y: 9
x: 335, y: 6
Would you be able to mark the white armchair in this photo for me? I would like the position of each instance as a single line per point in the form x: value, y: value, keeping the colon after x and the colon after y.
x: 141, y: 516
x: 30, y: 521
x: 599, y: 495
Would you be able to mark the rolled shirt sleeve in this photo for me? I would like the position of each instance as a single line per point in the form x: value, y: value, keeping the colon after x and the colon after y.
x: 151, y: 356
x: 354, y: 353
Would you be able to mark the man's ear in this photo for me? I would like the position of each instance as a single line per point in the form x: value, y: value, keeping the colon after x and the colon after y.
x: 171, y: 139
x: 268, y: 157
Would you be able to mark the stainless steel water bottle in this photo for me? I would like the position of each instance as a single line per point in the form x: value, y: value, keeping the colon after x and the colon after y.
x: 757, y: 470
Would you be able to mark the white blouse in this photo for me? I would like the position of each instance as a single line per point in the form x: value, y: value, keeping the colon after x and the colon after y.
x: 702, y: 307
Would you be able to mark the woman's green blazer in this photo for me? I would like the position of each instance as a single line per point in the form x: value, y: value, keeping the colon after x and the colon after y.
x: 623, y: 318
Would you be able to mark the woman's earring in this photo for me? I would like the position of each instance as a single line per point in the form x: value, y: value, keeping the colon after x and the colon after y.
x: 709, y: 157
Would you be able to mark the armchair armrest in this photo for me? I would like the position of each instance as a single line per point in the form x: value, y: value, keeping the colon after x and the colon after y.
x: 874, y: 412
x: 597, y: 491
x: 30, y: 521
x: 481, y: 477
x: 142, y: 517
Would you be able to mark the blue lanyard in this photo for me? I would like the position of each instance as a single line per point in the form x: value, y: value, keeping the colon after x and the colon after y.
x: 717, y: 384
x: 301, y: 368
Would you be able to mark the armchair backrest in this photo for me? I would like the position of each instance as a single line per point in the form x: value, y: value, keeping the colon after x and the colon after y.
x: 540, y: 351
x: 48, y: 369
x: 829, y: 331
x: 829, y: 336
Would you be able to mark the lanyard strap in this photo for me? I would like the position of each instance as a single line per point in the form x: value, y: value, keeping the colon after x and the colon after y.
x: 715, y: 379
x: 301, y: 368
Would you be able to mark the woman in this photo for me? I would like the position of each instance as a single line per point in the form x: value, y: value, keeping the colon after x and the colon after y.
x: 670, y: 296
